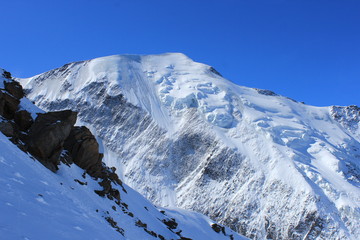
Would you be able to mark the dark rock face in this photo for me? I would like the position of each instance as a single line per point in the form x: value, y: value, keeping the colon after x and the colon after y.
x: 7, y: 129
x: 171, y: 223
x: 214, y: 71
x: 47, y: 136
x: 51, y: 134
x: 15, y: 89
x: 13, y: 123
x: 8, y: 105
x: 108, y: 190
x: 43, y: 138
x: 23, y: 119
x: 7, y: 74
x: 84, y: 150
x: 218, y: 228
x: 53, y: 138
x: 266, y: 92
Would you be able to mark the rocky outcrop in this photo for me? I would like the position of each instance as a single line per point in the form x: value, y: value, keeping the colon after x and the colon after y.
x: 7, y: 129
x: 43, y: 138
x: 47, y: 135
x: 12, y: 121
x: 84, y: 150
x: 7, y: 74
x: 14, y: 88
x: 23, y: 120
x: 8, y: 105
x: 82, y: 147
x: 50, y: 134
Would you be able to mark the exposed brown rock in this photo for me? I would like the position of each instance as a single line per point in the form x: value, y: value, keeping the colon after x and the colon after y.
x: 218, y: 228
x: 7, y: 74
x: 8, y: 105
x: 171, y: 223
x: 114, y: 177
x: 80, y: 182
x: 108, y: 190
x: 14, y: 88
x: 47, y: 135
x: 139, y: 223
x: 113, y: 224
x: 106, y: 184
x: 2, y: 103
x: 152, y: 233
x: 23, y: 119
x: 185, y: 238
x: 84, y: 150
x: 7, y: 129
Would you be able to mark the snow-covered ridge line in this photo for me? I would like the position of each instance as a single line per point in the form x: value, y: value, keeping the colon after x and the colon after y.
x: 183, y: 136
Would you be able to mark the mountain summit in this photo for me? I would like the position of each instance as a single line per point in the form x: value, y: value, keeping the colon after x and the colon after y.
x: 184, y: 136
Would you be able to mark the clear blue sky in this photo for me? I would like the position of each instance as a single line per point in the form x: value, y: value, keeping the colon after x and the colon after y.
x: 308, y: 50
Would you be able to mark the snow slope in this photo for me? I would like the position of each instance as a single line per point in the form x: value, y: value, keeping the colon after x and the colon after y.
x: 38, y: 204
x: 182, y: 135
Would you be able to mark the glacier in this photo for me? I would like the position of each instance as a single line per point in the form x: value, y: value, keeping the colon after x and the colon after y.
x: 265, y: 165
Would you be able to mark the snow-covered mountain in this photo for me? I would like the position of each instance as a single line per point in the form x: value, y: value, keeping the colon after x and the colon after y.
x: 183, y: 136
x: 36, y: 203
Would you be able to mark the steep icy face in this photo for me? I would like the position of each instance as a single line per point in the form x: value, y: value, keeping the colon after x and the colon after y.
x: 184, y: 136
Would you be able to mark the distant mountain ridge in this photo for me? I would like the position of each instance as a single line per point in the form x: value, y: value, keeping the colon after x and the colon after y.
x: 182, y: 135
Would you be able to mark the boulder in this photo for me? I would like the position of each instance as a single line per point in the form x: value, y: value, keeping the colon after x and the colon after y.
x: 7, y: 129
x: 23, y: 119
x: 14, y: 88
x: 84, y: 150
x: 2, y: 104
x: 47, y: 135
x: 8, y: 105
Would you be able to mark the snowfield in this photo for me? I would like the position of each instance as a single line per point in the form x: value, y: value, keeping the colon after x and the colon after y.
x: 183, y: 136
